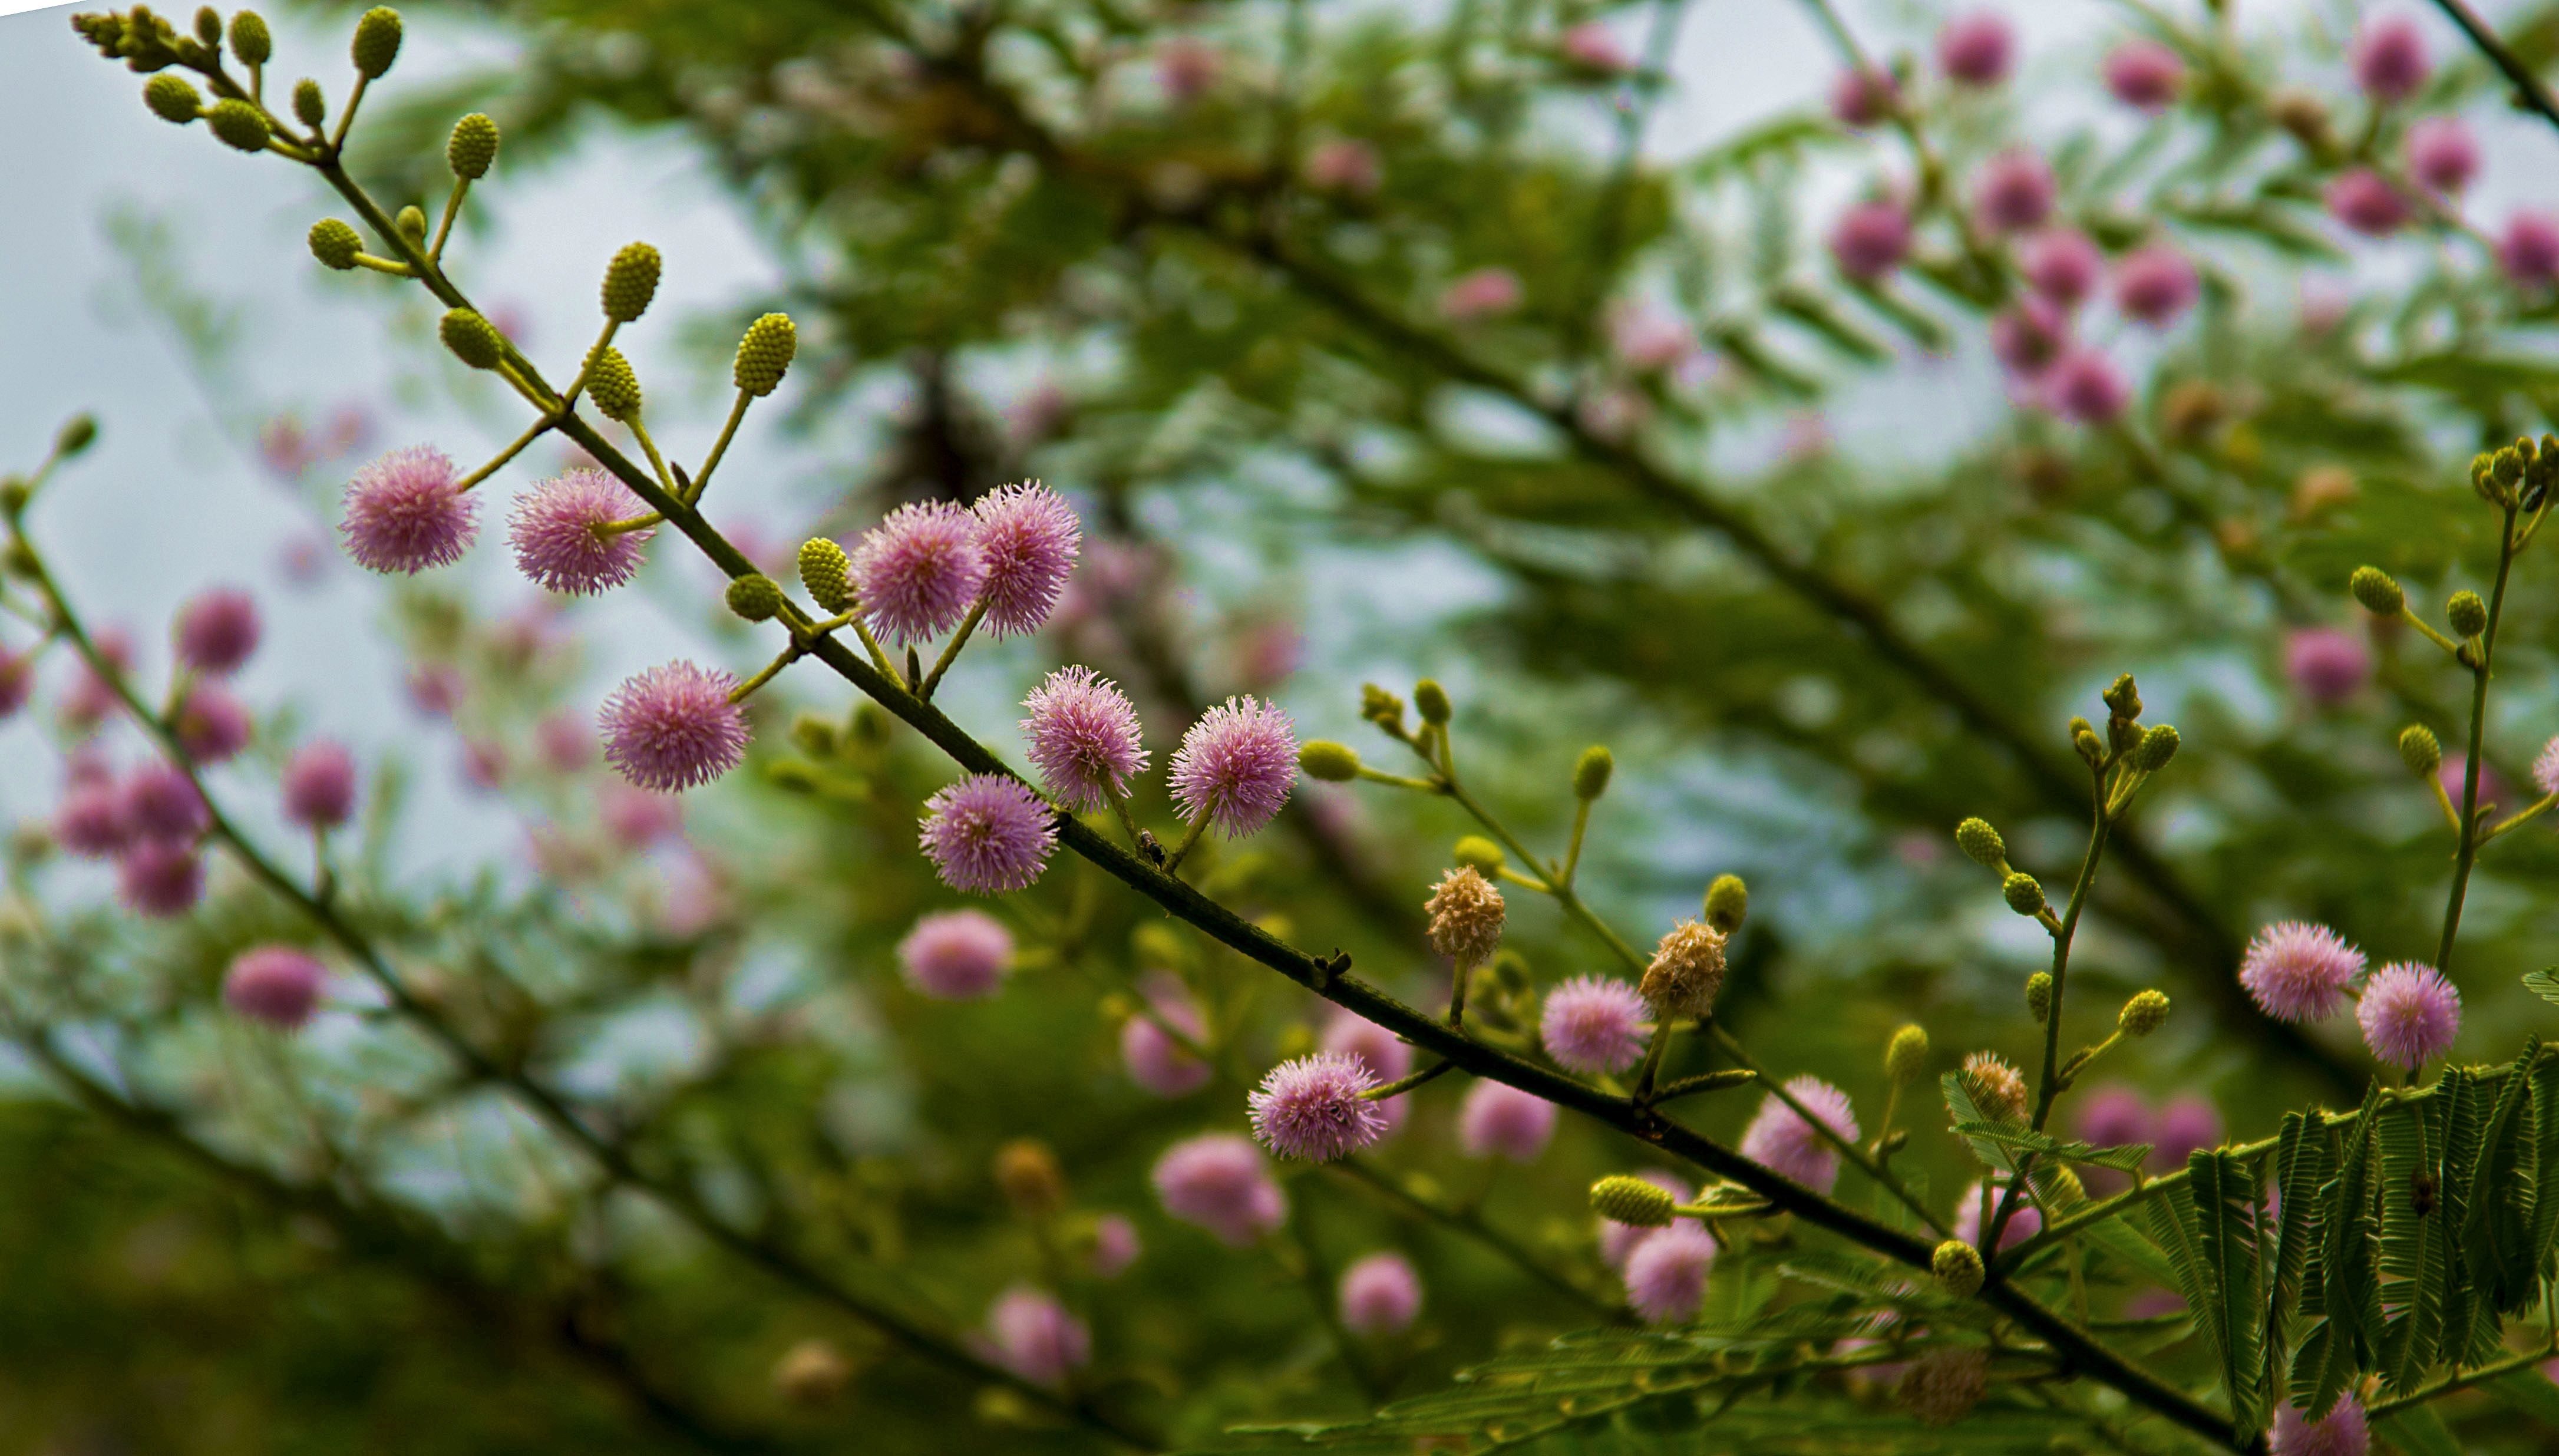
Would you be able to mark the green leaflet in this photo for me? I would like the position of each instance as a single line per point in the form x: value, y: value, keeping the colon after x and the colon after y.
x: 1964, y: 1108
x: 2543, y: 983
x: 2427, y: 1151
x: 2229, y: 1237
x: 2344, y: 1295
x: 2304, y: 1158
x: 2530, y: 1391
x: 2125, y: 1158
x: 2418, y: 1431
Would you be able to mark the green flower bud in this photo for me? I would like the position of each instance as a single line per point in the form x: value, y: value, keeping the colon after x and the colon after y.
x: 824, y: 570
x: 2157, y: 747
x: 1982, y: 844
x: 77, y: 434
x: 249, y: 39
x: 2379, y: 594
x: 334, y: 243
x: 2124, y: 701
x: 411, y: 223
x: 612, y: 386
x: 2467, y: 614
x: 2038, y: 996
x: 763, y: 354
x: 816, y: 735
x: 1379, y: 706
x: 755, y: 597
x: 630, y: 281
x: 1430, y: 700
x: 2144, y: 1014
x: 474, y: 340
x: 1905, y: 1057
x: 1632, y: 1201
x: 1958, y: 1268
x: 237, y: 124
x: 172, y: 98
x: 2023, y: 894
x: 2484, y: 478
x: 377, y: 42
x: 2086, y: 744
x: 310, y: 106
x: 472, y: 147
x: 2505, y: 467
x: 1330, y: 762
x: 2419, y: 750
x: 1479, y: 854
x: 1592, y: 771
x: 208, y: 25
x: 1728, y: 903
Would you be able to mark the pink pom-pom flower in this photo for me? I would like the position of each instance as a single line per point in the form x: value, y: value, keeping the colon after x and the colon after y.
x: 957, y: 954
x: 1387, y: 1055
x: 1617, y: 1241
x: 217, y: 631
x: 918, y: 571
x: 1870, y: 240
x: 1500, y: 1120
x: 1484, y: 293
x: 2085, y: 387
x: 276, y: 984
x: 2187, y: 1123
x: 988, y: 833
x: 1863, y: 97
x: 1114, y: 1247
x: 1034, y: 1337
x: 1977, y: 49
x: 1344, y: 165
x: 2144, y: 74
x: 2362, y: 200
x: 1084, y: 736
x: 1221, y: 1182
x: 556, y: 532
x: 2031, y: 336
x: 1594, y: 1024
x: 2298, y: 971
x: 1316, y: 1107
x: 1236, y: 766
x: 403, y: 512
x: 1782, y: 1140
x: 2442, y: 153
x: 1380, y: 1294
x: 92, y: 819
x: 2389, y: 59
x: 1666, y: 1273
x: 2409, y: 1014
x: 2327, y: 665
x: 2341, y: 1432
x: 2023, y: 1224
x: 158, y: 878
x: 2529, y: 250
x: 162, y: 802
x: 2154, y: 284
x: 2063, y: 265
x: 2545, y: 768
x: 320, y: 786
x: 1156, y: 1060
x: 2113, y: 1117
x: 210, y: 725
x: 672, y: 727
x: 1030, y: 538
x: 2014, y: 193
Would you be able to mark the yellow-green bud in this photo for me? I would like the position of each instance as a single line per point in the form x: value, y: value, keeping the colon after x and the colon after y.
x: 377, y: 42
x: 2038, y: 996
x: 334, y: 243
x: 2377, y: 591
x: 1905, y: 1057
x: 2144, y: 1014
x: 1728, y: 902
x: 237, y: 124
x: 1621, y: 1198
x: 2157, y: 747
x: 612, y: 386
x: 2023, y: 894
x: 826, y: 571
x: 472, y: 147
x: 14, y: 491
x: 629, y: 283
x: 1958, y: 1268
x: 208, y: 25
x: 2419, y: 750
x: 474, y: 340
x: 2124, y: 701
x: 816, y: 735
x: 1430, y: 700
x: 249, y: 39
x: 411, y: 223
x: 765, y: 353
x: 1982, y: 844
x: 172, y: 97
x: 1478, y: 853
x: 2467, y: 614
x: 1379, y: 706
x: 77, y: 434
x: 310, y: 105
x: 1330, y: 762
x: 755, y: 597
x: 1592, y: 771
x: 2088, y: 745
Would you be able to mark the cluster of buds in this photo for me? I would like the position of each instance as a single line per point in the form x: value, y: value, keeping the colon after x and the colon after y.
x: 2518, y: 476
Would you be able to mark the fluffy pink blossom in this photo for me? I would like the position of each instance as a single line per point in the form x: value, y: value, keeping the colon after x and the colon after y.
x: 2085, y: 387
x: 1029, y: 537
x: 483, y: 764
x: 92, y: 819
x: 320, y: 786
x: 2023, y: 1225
x: 162, y: 802
x: 1380, y: 1294
x: 2144, y: 74
x: 636, y: 818
x: 957, y: 954
x: 556, y: 533
x: 159, y: 878
x: 276, y: 984
x: 2114, y: 1115
x: 1155, y: 1060
x: 1345, y: 165
x: 2341, y: 1432
x: 217, y: 631
x: 987, y: 833
x: 1500, y: 1120
x: 1221, y: 1182
x: 672, y: 727
x: 2455, y: 772
x: 1592, y: 46
x: 2156, y: 284
x: 1648, y: 339
x: 2545, y: 768
x: 2028, y: 338
x: 2530, y: 250
x: 2327, y: 665
x: 403, y: 512
x: 1084, y: 736
x: 2298, y: 971
x: 1666, y: 1273
x: 436, y: 688
x: 1485, y: 293
x: 1034, y: 1337
x: 1863, y: 98
x: 90, y: 697
x: 1977, y: 49
x: 918, y: 571
x: 1114, y: 1247
x: 2063, y: 265
x: 211, y: 724
x: 2442, y: 153
x: 1387, y: 1057
x: 1187, y: 66
x: 2389, y: 58
x: 2014, y: 192
x: 1594, y: 1024
x: 1236, y: 766
x: 2187, y: 1123
x: 1785, y: 1142
x: 1870, y: 239
x: 1316, y: 1107
x: 2363, y: 200
x: 2409, y: 1014
x: 566, y: 739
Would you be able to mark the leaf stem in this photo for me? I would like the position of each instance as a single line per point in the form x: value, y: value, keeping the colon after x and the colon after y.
x: 2480, y: 672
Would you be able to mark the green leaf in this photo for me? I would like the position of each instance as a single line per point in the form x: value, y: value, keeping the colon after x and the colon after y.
x: 2123, y: 1158
x: 2530, y: 1391
x: 2418, y: 1431
x: 2345, y: 1299
x: 1964, y: 1100
x: 2302, y: 1155
x: 2223, y: 1191
x: 2543, y: 983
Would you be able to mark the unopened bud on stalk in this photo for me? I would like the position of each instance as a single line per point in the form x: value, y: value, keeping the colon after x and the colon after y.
x: 1327, y: 761
x: 1385, y: 709
x: 250, y: 39
x: 1905, y: 1057
x: 1627, y: 1199
x: 474, y: 340
x: 755, y: 597
x: 472, y: 147
x: 1478, y: 853
x: 334, y: 243
x: 172, y: 97
x: 612, y: 386
x: 2124, y: 701
x: 237, y: 124
x: 2086, y: 744
x: 817, y: 736
x: 411, y: 223
x: 826, y: 570
x: 377, y: 42
x: 765, y: 353
x: 2467, y: 614
x: 2146, y: 1012
x: 2023, y: 894
x: 1430, y: 700
x: 208, y: 25
x: 1982, y: 844
x: 2377, y: 591
x: 1958, y: 1268
x: 2157, y: 747
x: 310, y: 104
x: 2484, y: 479
x: 1728, y: 903
x: 631, y: 281
x: 1031, y: 1180
x: 1592, y: 771
x: 2419, y: 750
x: 2038, y: 996
x: 77, y: 434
